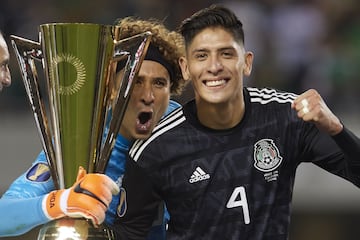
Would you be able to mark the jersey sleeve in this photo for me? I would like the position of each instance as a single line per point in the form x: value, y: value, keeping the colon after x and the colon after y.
x: 349, y: 143
x: 20, y: 205
x: 350, y: 146
x: 338, y: 154
x: 141, y: 204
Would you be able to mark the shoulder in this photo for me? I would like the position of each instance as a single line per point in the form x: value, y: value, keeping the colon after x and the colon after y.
x: 265, y: 103
x: 36, y: 181
x: 166, y: 125
x: 172, y: 106
x: 269, y: 95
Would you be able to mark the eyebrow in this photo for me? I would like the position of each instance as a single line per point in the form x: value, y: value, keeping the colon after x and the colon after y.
x: 208, y: 50
x: 5, y: 61
x: 142, y: 77
x: 199, y: 50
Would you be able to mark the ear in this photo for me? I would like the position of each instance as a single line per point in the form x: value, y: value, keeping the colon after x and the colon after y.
x: 184, y: 68
x: 249, y: 57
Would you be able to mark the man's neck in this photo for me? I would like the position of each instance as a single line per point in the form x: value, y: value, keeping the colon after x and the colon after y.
x: 220, y: 116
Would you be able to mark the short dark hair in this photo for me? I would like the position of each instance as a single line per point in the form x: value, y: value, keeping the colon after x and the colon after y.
x: 213, y: 16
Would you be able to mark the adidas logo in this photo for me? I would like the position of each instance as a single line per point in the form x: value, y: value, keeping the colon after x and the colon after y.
x: 198, y: 175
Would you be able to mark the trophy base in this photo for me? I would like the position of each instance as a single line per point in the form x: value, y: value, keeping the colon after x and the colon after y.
x: 75, y: 229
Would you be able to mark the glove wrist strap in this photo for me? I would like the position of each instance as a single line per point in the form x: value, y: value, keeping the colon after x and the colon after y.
x: 53, y: 205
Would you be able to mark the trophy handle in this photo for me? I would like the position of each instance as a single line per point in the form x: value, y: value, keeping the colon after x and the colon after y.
x: 26, y: 51
x: 133, y: 49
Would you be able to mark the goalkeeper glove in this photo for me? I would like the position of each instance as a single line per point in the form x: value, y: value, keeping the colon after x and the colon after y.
x: 89, y: 197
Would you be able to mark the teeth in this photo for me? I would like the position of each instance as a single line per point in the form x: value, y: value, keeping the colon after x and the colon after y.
x: 143, y: 126
x: 215, y: 83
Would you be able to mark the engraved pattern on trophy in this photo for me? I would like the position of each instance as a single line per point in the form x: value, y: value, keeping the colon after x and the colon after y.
x: 79, y: 68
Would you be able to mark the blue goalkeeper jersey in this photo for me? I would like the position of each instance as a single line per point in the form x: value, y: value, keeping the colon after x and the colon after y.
x: 21, y: 204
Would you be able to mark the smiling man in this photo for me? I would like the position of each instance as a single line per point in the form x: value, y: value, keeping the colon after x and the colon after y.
x: 30, y: 200
x: 225, y: 162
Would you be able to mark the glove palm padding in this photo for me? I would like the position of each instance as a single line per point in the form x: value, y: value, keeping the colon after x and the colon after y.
x: 89, y: 197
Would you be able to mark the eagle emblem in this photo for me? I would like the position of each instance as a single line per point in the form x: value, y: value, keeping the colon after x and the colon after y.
x: 266, y: 155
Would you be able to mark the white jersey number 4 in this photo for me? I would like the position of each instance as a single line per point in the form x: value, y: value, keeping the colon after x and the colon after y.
x: 238, y: 199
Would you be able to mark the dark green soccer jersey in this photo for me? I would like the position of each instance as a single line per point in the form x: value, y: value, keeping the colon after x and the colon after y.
x: 230, y: 184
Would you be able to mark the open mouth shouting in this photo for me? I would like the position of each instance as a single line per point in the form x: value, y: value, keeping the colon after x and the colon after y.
x: 143, y: 122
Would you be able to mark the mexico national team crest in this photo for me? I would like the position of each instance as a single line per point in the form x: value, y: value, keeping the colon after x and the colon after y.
x: 266, y: 155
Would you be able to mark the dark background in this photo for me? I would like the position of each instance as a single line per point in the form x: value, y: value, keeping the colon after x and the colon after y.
x: 297, y: 44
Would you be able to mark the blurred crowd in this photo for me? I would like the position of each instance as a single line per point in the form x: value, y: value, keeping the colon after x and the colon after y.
x: 298, y: 44
x: 302, y: 44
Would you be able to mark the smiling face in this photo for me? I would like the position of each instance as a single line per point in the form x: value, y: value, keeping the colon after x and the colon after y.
x: 216, y: 64
x: 148, y: 102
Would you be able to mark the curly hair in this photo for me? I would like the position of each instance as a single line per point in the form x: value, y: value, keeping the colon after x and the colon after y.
x: 169, y: 43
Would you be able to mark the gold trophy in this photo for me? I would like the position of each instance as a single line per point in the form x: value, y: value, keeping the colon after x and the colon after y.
x: 74, y: 121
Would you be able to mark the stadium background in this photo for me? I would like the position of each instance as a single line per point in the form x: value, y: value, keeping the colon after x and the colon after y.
x: 298, y: 44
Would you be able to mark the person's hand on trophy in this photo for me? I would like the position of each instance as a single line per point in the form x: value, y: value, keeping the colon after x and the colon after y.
x: 89, y: 197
